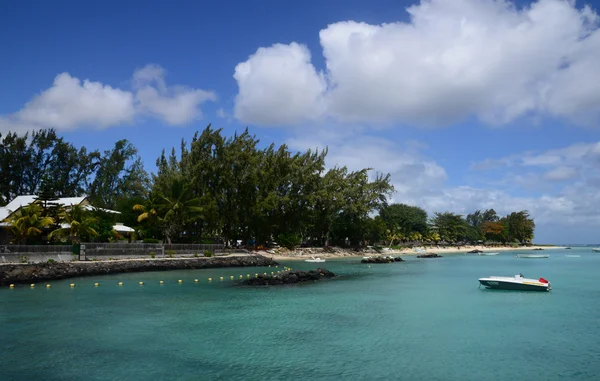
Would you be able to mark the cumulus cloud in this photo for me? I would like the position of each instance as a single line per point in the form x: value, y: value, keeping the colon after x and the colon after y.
x: 452, y: 60
x: 278, y: 86
x: 71, y: 103
x: 175, y: 105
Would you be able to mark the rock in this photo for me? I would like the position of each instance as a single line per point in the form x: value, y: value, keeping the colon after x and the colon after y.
x: 27, y: 273
x: 381, y: 260
x: 429, y: 255
x: 289, y: 277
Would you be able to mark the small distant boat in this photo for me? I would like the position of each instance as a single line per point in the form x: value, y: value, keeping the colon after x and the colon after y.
x: 573, y: 256
x: 313, y: 259
x: 533, y: 256
x: 596, y: 249
x: 518, y: 282
x: 488, y: 253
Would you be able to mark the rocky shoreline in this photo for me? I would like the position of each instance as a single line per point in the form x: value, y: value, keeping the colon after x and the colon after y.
x: 429, y: 255
x: 382, y: 260
x: 31, y: 273
x: 290, y: 277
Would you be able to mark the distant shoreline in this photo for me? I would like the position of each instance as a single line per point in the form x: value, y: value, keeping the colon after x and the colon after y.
x: 302, y: 254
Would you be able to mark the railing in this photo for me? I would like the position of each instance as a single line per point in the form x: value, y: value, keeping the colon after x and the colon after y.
x: 35, y: 249
x: 91, y: 251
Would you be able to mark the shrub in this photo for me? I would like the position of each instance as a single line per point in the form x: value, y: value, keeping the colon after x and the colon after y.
x: 51, y: 261
x: 289, y: 240
x: 151, y: 240
x: 152, y: 254
x: 208, y: 253
x: 170, y: 253
x: 195, y: 255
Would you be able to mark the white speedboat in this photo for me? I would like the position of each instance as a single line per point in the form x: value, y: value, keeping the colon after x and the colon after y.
x: 314, y: 260
x: 488, y: 253
x: 596, y: 249
x: 518, y: 282
x: 533, y: 256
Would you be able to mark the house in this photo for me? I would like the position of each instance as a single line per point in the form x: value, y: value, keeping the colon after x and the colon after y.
x: 22, y: 201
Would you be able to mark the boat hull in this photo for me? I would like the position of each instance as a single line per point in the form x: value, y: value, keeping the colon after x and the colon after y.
x: 533, y: 256
x: 503, y: 285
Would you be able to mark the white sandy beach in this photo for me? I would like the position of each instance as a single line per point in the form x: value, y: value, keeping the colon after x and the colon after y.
x: 305, y: 253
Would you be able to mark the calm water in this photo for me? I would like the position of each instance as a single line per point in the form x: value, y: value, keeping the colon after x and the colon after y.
x: 424, y: 319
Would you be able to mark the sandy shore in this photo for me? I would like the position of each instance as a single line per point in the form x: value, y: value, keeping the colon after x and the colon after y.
x: 302, y: 254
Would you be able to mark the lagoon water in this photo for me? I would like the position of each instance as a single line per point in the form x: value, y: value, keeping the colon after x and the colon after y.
x: 422, y: 319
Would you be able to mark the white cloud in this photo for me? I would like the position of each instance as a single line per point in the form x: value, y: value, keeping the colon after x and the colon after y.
x: 561, y: 173
x: 176, y: 105
x: 452, y: 60
x: 278, y: 86
x: 71, y: 103
x: 562, y: 192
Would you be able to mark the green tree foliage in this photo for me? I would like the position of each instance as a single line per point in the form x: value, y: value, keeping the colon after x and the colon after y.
x: 28, y: 159
x: 120, y: 174
x: 78, y: 223
x: 27, y: 224
x: 404, y: 222
x: 450, y: 226
x: 252, y: 193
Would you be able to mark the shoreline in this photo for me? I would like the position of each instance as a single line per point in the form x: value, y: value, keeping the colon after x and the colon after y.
x: 302, y: 254
x: 15, y: 273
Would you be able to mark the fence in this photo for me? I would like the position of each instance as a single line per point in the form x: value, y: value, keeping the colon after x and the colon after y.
x: 35, y: 253
x: 91, y: 251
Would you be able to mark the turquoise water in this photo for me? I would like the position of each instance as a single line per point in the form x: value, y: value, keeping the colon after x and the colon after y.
x: 423, y: 319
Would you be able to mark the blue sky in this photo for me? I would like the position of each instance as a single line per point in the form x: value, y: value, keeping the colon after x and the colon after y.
x: 468, y: 104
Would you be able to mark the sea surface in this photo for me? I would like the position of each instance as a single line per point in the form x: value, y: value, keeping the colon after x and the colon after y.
x: 422, y: 319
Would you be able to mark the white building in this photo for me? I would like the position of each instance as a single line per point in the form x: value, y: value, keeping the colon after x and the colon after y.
x: 21, y: 201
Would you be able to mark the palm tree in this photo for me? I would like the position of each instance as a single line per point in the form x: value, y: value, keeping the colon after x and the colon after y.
x: 77, y: 222
x: 28, y: 222
x: 178, y: 207
x: 149, y: 212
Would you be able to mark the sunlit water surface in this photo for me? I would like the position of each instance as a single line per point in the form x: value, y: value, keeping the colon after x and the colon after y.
x: 422, y: 319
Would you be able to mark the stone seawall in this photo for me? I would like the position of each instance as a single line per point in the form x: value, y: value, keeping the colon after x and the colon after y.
x: 31, y: 273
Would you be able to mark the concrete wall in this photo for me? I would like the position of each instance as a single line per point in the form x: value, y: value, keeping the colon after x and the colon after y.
x: 94, y: 251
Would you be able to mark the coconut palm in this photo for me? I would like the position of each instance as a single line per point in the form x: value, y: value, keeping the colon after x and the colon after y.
x: 28, y: 222
x: 178, y: 207
x: 76, y: 223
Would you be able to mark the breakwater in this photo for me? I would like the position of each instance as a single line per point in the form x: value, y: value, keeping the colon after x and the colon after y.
x: 31, y: 273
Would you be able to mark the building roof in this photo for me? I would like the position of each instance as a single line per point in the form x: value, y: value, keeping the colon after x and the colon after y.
x: 21, y: 201
x: 122, y: 228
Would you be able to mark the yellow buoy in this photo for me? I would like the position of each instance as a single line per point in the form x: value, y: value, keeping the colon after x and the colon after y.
x: 47, y: 286
x: 210, y: 279
x: 96, y: 284
x: 32, y: 285
x: 247, y: 275
x: 196, y: 280
x: 72, y: 285
x: 12, y: 286
x: 276, y: 267
x: 120, y: 283
x: 179, y: 281
x: 161, y: 282
x: 241, y: 276
x: 221, y: 278
x: 141, y: 283
x: 231, y: 277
